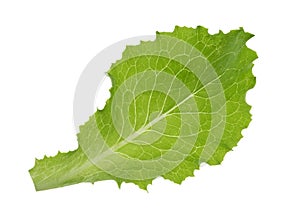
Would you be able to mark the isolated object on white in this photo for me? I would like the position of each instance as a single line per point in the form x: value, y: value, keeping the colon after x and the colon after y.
x: 175, y: 102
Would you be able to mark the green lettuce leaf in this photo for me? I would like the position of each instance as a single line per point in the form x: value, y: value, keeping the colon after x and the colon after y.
x: 176, y: 102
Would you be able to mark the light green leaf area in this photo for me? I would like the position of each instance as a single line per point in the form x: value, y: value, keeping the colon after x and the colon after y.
x: 175, y: 102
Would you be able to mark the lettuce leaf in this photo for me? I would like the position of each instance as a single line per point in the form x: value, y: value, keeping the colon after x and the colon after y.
x: 176, y: 102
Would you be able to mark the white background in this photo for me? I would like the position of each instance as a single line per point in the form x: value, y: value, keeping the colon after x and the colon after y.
x: 44, y: 46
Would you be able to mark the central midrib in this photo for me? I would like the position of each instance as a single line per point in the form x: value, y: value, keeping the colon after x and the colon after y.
x: 131, y: 137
